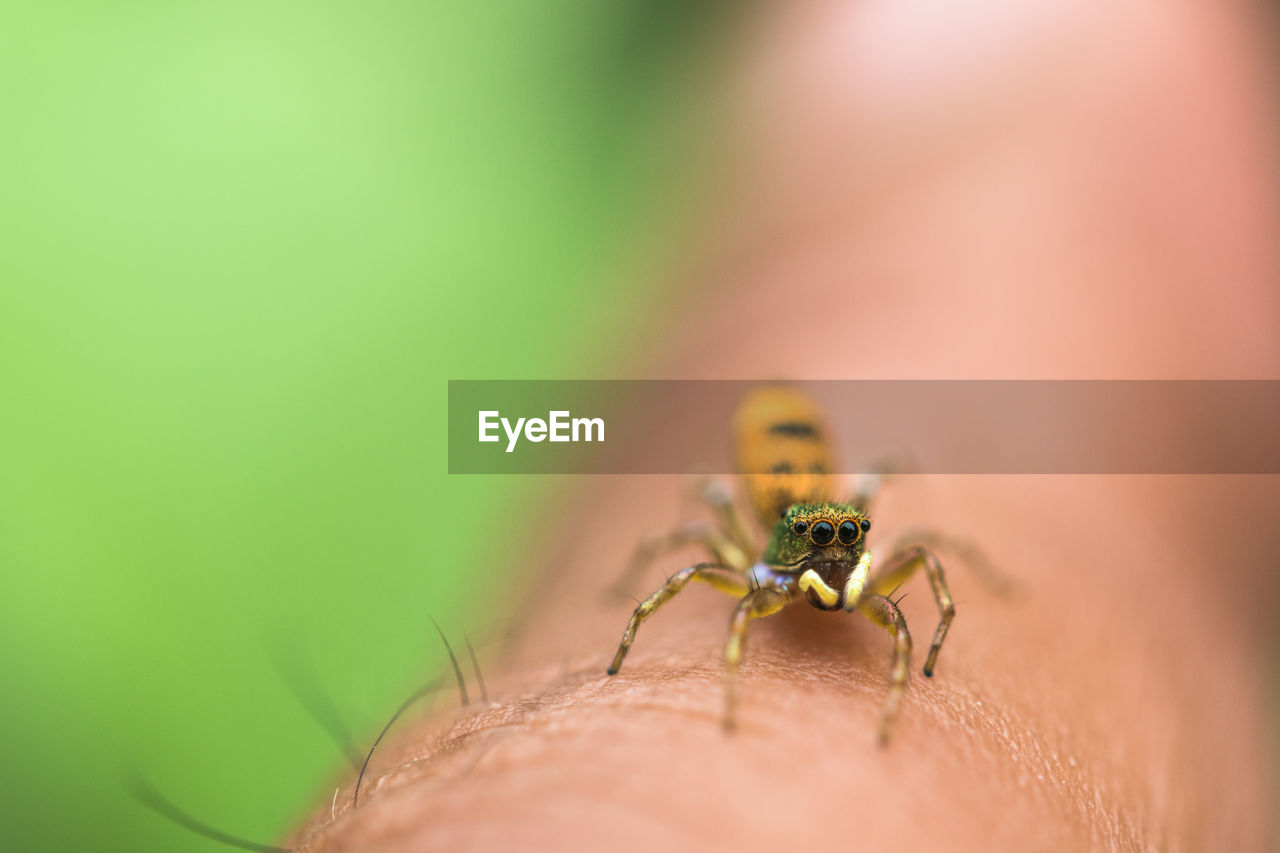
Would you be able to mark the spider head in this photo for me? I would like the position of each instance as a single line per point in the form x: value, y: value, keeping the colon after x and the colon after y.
x: 826, y: 532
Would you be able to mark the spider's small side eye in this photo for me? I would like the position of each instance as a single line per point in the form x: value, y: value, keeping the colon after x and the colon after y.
x: 800, y: 527
x: 823, y: 532
x: 865, y: 524
x: 849, y: 533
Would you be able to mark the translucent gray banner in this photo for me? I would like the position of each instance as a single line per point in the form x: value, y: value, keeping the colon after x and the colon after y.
x: 930, y: 426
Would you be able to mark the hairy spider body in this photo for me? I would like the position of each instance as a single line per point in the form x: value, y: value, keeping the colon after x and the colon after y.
x: 816, y: 550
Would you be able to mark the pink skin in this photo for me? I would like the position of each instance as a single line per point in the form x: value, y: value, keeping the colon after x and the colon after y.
x: 1079, y: 190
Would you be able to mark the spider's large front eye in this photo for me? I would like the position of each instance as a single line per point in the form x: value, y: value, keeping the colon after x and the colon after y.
x: 823, y: 532
x: 849, y: 532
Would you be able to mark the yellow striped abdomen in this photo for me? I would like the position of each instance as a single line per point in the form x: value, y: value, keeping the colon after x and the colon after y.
x: 783, y: 450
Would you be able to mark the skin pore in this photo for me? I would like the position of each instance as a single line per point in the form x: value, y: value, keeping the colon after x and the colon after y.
x: 913, y: 197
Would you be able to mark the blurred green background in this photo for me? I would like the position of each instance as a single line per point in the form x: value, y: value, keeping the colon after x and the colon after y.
x: 244, y: 247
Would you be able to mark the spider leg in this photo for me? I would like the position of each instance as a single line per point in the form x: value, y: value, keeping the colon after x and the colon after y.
x: 867, y: 485
x: 886, y: 614
x: 759, y: 602
x: 723, y: 551
x: 988, y: 574
x: 897, y: 569
x: 719, y: 496
x: 723, y: 578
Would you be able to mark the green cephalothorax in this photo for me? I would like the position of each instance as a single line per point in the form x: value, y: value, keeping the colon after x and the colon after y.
x: 827, y: 532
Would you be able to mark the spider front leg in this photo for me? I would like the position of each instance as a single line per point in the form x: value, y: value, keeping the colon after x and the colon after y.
x: 886, y: 614
x: 900, y: 567
x: 760, y: 602
x: 723, y: 550
x: 723, y: 578
x: 993, y: 578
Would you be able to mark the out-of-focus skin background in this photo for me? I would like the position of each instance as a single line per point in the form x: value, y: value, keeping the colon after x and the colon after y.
x: 245, y: 247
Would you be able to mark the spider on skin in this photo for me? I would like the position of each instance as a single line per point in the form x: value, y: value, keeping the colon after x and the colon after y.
x: 816, y: 550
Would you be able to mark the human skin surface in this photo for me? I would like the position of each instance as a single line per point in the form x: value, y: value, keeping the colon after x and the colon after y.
x: 1075, y: 191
